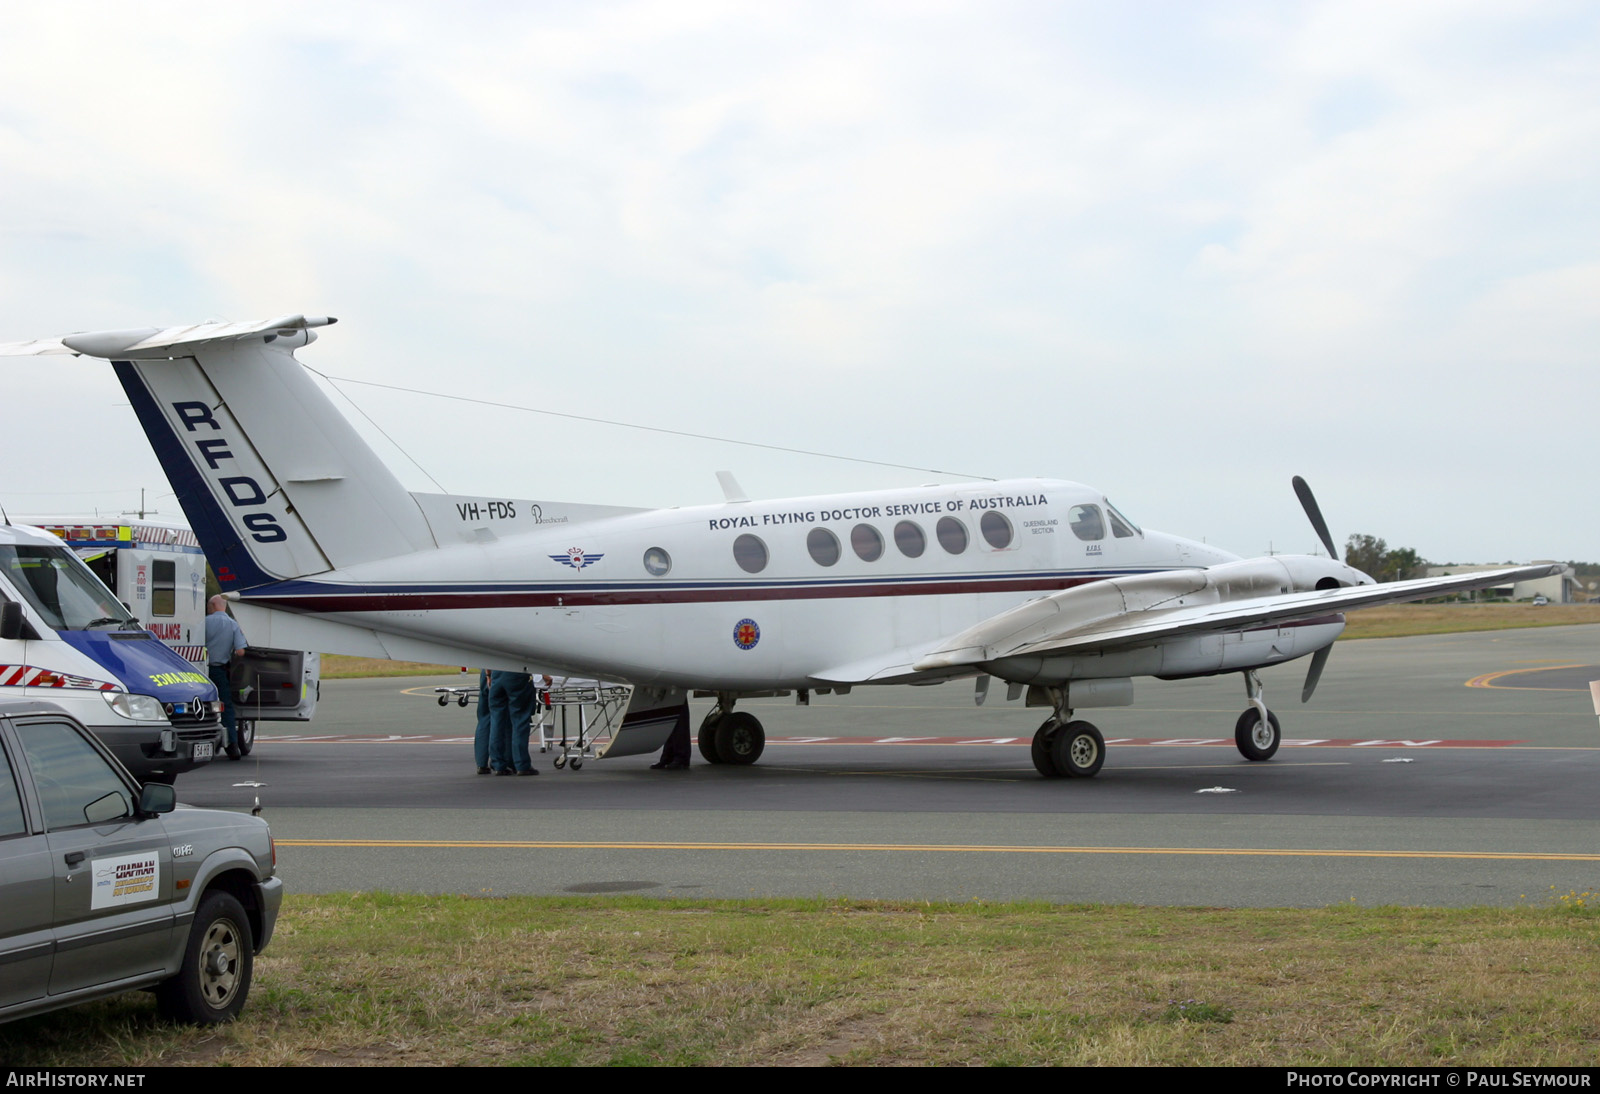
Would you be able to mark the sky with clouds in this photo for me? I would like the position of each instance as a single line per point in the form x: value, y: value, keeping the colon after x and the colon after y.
x: 1181, y: 251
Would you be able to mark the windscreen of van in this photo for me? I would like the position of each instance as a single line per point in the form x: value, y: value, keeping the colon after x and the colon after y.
x: 61, y: 588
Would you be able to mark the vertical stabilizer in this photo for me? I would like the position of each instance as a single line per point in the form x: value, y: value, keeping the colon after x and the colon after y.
x: 275, y: 481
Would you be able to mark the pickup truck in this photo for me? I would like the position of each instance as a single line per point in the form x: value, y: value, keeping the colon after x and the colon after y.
x: 107, y: 886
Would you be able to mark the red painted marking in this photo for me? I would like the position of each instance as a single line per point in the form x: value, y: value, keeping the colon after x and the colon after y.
x: 1157, y: 742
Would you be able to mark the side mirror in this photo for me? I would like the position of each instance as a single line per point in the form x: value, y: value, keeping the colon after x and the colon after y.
x: 157, y: 798
x: 10, y: 620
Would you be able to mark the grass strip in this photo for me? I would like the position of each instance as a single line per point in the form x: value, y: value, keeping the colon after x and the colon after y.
x: 1406, y: 620
x: 376, y: 978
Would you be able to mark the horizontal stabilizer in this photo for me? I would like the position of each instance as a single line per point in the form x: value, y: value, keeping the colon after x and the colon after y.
x: 154, y: 342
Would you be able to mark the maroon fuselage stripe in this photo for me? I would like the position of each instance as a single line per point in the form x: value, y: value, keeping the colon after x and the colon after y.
x: 580, y: 597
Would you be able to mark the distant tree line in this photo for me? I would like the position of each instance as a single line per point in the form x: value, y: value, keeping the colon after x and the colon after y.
x: 1371, y: 555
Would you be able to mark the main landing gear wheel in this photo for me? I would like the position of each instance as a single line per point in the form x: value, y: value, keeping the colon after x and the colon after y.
x: 1257, y: 741
x: 1073, y: 751
x: 738, y: 738
x: 1078, y: 750
x: 708, y: 741
x: 1043, y: 761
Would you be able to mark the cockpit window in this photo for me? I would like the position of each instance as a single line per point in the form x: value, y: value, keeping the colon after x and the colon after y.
x: 1121, y: 526
x: 1086, y: 522
x: 61, y: 588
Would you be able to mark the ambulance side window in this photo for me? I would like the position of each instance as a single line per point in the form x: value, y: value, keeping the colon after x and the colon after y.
x: 164, y: 588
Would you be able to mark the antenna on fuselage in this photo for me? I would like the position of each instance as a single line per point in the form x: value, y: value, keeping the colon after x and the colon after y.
x: 731, y: 490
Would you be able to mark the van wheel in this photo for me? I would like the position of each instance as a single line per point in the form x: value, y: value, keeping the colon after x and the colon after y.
x: 247, y: 737
x: 214, y: 979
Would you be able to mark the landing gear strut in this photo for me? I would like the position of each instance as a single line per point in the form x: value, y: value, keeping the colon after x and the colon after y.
x: 730, y: 737
x: 1256, y: 733
x: 1063, y: 748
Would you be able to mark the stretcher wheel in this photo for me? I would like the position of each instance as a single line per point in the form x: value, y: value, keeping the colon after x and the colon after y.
x: 462, y: 701
x: 559, y: 762
x: 577, y: 762
x: 444, y: 700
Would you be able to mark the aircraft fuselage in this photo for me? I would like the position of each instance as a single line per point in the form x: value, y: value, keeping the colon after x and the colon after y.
x: 781, y: 593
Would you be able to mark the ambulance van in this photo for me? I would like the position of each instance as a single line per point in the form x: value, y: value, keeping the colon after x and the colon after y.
x: 158, y: 572
x: 66, y: 638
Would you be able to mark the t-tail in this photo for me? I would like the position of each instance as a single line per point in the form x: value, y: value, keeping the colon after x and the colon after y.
x: 273, y: 479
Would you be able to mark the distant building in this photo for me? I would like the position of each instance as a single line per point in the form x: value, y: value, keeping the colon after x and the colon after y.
x: 1559, y: 588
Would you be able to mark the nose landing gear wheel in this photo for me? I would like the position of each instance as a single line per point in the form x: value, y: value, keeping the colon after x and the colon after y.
x: 1257, y: 741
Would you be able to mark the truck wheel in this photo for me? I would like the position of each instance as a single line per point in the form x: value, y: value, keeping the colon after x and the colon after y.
x: 212, y: 983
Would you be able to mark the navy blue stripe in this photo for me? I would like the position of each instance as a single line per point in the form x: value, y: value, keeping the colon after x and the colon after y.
x: 230, y: 559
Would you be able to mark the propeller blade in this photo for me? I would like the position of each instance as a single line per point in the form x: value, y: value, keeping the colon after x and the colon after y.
x: 1318, y: 661
x: 1309, y: 504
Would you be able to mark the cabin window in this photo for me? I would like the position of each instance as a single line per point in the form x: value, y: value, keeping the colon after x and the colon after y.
x: 1086, y: 522
x: 909, y: 538
x: 750, y: 553
x: 867, y: 542
x: 1121, y: 526
x: 996, y: 530
x: 657, y: 562
x: 823, y: 545
x: 952, y: 535
x: 163, y: 588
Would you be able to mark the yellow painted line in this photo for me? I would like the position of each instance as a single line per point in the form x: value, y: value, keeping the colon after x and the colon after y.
x: 1488, y: 678
x: 1005, y: 849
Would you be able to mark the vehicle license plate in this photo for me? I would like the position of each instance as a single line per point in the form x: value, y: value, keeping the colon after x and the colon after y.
x: 202, y: 751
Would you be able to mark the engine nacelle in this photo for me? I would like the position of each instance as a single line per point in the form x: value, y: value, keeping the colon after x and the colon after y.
x: 1175, y: 658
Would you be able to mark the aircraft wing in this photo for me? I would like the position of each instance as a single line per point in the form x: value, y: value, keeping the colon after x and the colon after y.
x: 1029, y: 628
x: 891, y: 667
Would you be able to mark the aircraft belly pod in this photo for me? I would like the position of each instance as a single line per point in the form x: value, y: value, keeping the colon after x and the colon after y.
x: 1040, y: 582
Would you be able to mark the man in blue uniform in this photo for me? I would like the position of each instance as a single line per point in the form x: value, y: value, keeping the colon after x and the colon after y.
x: 511, y: 699
x: 224, y: 642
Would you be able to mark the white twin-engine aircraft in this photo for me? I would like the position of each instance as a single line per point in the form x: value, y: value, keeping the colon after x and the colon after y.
x: 1039, y: 582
